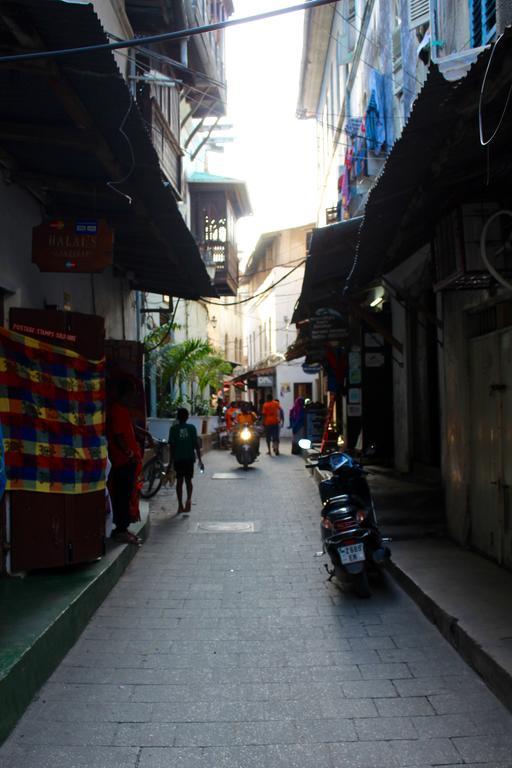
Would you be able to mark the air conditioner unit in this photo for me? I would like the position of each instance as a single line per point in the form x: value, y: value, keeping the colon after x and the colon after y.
x: 456, y: 248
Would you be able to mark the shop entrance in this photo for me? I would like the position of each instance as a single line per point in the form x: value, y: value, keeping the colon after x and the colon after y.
x: 303, y: 389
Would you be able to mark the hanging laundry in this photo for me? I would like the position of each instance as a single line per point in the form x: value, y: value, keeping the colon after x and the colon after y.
x: 375, y: 121
x: 360, y: 154
x: 353, y: 126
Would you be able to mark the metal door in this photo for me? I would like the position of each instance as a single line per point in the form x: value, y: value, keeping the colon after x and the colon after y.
x: 486, y: 525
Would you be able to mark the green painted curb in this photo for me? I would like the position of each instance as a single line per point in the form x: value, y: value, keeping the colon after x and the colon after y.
x: 26, y: 669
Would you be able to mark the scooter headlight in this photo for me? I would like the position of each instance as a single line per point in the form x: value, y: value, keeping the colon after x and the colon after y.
x: 245, y: 434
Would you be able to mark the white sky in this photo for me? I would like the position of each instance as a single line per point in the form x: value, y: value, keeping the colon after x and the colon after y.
x: 273, y: 151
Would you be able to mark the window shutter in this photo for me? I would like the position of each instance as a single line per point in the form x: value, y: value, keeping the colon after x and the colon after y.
x: 419, y: 13
x: 483, y: 21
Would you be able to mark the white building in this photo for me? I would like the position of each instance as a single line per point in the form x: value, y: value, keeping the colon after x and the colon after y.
x: 273, y: 278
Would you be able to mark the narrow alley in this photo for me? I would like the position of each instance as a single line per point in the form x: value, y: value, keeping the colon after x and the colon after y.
x: 230, y: 649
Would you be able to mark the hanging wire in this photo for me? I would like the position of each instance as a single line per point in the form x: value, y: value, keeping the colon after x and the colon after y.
x: 483, y: 141
x: 114, y: 184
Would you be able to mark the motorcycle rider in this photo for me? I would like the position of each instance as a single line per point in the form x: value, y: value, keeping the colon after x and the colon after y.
x: 246, y: 417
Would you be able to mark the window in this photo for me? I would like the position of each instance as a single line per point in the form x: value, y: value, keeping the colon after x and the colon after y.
x: 482, y: 14
x: 419, y: 13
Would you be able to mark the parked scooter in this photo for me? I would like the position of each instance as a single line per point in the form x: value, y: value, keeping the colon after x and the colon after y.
x: 246, y: 444
x: 350, y: 534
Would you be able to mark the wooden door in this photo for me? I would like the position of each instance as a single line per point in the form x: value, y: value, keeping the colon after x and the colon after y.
x: 485, y: 466
x: 506, y: 441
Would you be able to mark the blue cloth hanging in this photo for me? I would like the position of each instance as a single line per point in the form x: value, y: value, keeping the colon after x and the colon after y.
x: 375, y: 114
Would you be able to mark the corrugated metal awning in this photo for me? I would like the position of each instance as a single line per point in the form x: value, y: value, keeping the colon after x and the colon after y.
x: 72, y: 132
x: 330, y: 260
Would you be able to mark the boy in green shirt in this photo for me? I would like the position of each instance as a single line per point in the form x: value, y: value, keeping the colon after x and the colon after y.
x: 183, y: 446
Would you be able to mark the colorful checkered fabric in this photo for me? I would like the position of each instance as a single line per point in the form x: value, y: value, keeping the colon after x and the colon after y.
x: 52, y: 411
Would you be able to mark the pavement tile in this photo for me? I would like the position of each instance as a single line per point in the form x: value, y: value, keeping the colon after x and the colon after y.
x: 451, y: 703
x: 424, y: 752
x: 84, y: 712
x: 361, y: 689
x: 236, y: 734
x: 385, y: 728
x: 439, y: 726
x: 85, y: 692
x: 69, y: 757
x: 152, y: 734
x: 375, y: 754
x: 482, y: 748
x: 236, y: 757
x: 429, y: 686
x: 398, y: 707
x: 54, y: 733
x: 325, y: 731
x: 210, y: 712
x: 384, y: 671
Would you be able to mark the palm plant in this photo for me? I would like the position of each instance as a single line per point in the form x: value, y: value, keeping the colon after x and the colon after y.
x: 181, y: 365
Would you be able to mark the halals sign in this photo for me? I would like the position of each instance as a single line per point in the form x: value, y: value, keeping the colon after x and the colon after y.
x: 64, y: 245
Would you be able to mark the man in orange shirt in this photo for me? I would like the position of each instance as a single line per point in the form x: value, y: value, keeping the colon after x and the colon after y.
x: 271, y: 413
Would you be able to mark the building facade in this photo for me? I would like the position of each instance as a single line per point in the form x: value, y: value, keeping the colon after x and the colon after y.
x: 418, y: 274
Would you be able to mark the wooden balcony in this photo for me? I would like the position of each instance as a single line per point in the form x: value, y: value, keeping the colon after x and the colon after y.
x: 223, y: 257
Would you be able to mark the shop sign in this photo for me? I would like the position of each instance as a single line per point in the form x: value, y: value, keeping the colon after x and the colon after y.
x: 64, y: 245
x: 327, y: 328
x: 311, y: 368
x: 265, y: 381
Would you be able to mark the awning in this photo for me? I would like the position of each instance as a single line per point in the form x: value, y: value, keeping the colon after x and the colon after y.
x: 438, y: 162
x: 71, y: 133
x: 331, y: 257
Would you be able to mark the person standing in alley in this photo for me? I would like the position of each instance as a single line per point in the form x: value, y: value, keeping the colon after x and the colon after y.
x: 125, y: 456
x: 183, y: 447
x: 271, y: 416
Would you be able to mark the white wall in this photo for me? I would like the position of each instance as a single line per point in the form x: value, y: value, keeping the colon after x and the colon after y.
x: 30, y: 288
x: 289, y: 374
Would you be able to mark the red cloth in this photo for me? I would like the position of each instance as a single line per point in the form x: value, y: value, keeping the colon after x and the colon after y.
x: 271, y: 413
x: 119, y: 422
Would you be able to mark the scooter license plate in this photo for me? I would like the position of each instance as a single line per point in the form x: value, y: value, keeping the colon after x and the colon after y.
x: 353, y: 553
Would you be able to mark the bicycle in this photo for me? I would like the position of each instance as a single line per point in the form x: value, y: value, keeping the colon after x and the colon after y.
x: 154, y: 472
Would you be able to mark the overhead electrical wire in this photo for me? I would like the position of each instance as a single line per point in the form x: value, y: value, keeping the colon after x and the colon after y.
x: 256, y: 295
x: 162, y: 37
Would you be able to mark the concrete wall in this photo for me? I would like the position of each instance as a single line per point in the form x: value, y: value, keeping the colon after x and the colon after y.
x: 25, y: 286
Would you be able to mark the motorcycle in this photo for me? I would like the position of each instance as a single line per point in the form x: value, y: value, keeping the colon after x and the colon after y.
x: 349, y: 529
x: 246, y: 445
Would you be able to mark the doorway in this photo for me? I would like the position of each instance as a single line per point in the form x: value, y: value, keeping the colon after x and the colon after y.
x: 491, y: 454
x: 303, y: 389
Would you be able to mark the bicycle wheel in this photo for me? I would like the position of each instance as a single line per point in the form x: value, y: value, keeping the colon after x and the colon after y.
x: 151, y: 478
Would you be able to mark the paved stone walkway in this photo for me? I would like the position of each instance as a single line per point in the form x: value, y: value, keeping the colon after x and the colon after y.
x: 230, y: 650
